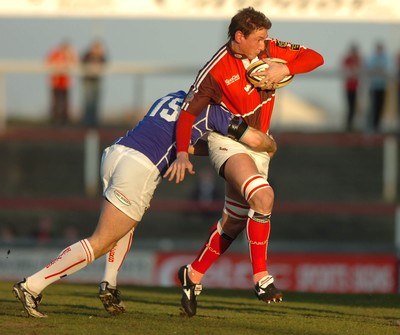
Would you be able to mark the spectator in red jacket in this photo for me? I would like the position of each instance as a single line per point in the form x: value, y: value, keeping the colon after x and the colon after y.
x: 351, y: 65
x: 61, y: 60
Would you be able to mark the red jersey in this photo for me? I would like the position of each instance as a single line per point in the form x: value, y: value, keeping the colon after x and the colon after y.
x: 60, y: 79
x: 352, y: 65
x: 223, y: 81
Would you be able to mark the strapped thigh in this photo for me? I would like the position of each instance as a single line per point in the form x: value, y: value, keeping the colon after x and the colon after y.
x: 235, y: 209
x: 252, y: 185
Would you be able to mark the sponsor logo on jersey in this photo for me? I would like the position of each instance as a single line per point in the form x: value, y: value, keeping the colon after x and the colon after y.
x: 281, y: 44
x: 234, y: 78
x: 123, y: 199
x: 248, y: 88
x: 223, y: 149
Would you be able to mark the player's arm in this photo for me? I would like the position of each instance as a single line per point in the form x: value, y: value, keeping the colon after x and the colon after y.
x: 259, y: 141
x: 184, y: 130
x: 255, y: 139
x: 182, y: 163
x: 240, y: 131
x: 300, y: 59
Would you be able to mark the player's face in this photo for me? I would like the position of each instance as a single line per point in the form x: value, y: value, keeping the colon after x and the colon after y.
x: 253, y: 44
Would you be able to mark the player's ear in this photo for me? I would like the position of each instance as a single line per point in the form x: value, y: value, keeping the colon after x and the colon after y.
x: 239, y: 36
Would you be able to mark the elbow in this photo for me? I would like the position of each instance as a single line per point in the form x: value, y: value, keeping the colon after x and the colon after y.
x: 322, y: 61
x: 319, y: 59
x: 256, y: 142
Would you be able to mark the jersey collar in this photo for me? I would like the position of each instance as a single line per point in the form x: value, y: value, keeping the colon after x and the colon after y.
x: 233, y: 53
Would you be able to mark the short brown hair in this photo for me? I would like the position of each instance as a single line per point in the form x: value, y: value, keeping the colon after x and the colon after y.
x: 248, y: 20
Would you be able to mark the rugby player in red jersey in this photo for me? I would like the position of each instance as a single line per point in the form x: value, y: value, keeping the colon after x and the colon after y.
x: 249, y: 197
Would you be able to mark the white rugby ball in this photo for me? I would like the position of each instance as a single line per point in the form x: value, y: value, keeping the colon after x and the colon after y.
x: 259, y: 66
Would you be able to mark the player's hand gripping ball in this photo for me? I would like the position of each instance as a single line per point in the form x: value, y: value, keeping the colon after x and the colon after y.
x: 260, y: 66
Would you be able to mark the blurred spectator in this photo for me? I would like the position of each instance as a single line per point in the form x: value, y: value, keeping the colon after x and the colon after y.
x: 93, y: 61
x: 43, y: 234
x: 377, y: 69
x: 7, y: 234
x: 61, y: 60
x: 351, y: 66
x: 205, y: 190
x: 71, y: 234
x: 398, y: 89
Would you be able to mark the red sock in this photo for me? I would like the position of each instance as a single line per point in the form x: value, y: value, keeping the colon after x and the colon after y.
x: 218, y: 242
x: 257, y: 236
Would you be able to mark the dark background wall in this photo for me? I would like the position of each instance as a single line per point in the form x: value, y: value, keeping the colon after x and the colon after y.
x: 328, y: 193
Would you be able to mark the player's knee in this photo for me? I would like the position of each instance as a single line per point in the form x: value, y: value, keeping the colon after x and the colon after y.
x: 258, y: 193
x: 263, y: 201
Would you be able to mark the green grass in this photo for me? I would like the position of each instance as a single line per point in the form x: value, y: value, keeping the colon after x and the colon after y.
x: 75, y: 309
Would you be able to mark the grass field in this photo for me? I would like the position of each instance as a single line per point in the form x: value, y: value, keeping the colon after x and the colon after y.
x: 75, y: 309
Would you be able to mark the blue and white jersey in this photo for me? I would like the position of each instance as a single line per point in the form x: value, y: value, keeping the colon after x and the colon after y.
x: 154, y: 135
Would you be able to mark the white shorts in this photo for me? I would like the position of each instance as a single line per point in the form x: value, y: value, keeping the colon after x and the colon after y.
x: 221, y: 148
x: 129, y: 180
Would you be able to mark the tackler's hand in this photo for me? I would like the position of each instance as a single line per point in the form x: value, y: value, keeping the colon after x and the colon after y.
x: 178, y: 168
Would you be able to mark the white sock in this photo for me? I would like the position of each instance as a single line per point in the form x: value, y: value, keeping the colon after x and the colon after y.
x: 115, y: 259
x: 70, y: 260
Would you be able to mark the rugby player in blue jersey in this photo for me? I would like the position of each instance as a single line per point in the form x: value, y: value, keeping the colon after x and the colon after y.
x: 131, y: 169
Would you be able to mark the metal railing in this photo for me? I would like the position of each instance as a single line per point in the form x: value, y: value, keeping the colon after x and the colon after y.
x: 138, y: 70
x: 142, y: 70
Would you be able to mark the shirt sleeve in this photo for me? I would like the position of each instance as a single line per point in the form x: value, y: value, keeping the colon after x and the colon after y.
x: 196, y: 100
x: 299, y: 58
x: 184, y: 131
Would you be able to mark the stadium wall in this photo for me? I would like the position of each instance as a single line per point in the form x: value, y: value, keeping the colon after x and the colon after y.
x: 332, y: 197
x: 300, y: 272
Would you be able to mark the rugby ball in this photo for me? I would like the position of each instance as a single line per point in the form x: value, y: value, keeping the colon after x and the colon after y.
x: 260, y: 66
